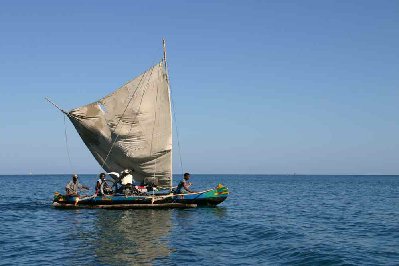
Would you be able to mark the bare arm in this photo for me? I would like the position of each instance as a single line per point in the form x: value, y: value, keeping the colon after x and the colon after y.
x: 98, y: 185
x: 186, y: 187
x: 83, y: 186
x: 67, y: 189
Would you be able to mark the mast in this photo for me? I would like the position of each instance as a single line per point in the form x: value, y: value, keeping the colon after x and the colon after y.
x: 170, y: 103
x: 165, y: 64
x: 164, y: 52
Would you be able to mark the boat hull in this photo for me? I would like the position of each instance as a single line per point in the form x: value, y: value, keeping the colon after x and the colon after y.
x: 210, y: 198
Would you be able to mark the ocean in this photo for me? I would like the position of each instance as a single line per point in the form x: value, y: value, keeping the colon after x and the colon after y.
x: 266, y: 220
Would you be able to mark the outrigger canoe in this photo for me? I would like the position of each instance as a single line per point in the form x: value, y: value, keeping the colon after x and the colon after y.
x: 156, y: 200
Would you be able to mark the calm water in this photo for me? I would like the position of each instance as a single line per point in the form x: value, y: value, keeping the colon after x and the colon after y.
x: 329, y: 220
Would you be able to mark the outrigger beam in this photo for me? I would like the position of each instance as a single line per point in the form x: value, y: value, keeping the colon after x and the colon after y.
x: 126, y: 206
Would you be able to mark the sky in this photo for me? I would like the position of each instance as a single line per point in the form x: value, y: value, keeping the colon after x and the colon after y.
x: 260, y: 87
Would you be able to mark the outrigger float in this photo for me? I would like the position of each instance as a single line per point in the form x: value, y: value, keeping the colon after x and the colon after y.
x: 131, y: 128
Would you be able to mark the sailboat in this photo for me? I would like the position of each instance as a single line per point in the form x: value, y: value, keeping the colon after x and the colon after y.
x: 131, y: 128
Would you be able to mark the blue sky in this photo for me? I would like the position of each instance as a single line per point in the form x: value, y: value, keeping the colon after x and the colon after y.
x: 259, y: 86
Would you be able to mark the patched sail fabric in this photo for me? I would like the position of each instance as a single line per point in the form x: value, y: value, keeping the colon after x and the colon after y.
x: 131, y: 128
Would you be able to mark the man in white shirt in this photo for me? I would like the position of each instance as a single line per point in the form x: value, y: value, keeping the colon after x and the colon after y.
x: 126, y: 177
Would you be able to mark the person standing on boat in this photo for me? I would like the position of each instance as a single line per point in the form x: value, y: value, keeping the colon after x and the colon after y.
x: 184, y: 184
x: 74, y: 186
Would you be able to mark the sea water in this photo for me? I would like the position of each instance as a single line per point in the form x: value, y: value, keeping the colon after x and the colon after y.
x: 267, y: 220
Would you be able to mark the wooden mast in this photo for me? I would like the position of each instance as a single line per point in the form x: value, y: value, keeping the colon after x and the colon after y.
x: 170, y: 102
x: 164, y: 51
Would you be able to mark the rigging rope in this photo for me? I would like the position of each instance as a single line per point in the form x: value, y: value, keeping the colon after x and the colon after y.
x: 174, y: 111
x: 177, y: 133
x: 67, y: 145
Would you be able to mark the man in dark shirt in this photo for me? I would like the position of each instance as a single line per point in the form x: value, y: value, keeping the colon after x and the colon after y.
x: 184, y: 184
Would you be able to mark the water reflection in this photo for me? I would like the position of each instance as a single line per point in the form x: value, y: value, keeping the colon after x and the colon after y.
x: 190, y: 214
x: 219, y: 212
x: 132, y: 237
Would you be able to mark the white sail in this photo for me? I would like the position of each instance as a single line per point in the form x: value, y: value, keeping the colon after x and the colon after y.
x: 131, y: 128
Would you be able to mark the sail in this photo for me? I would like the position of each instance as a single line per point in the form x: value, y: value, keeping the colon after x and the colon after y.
x: 131, y: 128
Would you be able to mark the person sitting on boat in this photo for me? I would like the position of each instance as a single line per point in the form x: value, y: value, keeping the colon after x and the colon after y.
x: 184, y: 184
x: 74, y: 186
x: 100, y: 181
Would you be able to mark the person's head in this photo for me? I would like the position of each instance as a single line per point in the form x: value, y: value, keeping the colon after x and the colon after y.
x: 125, y: 172
x: 187, y: 176
x: 75, y: 178
x: 102, y: 176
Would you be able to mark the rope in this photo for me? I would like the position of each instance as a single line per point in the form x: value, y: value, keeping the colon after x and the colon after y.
x: 174, y: 112
x: 117, y: 136
x: 177, y: 135
x: 66, y: 144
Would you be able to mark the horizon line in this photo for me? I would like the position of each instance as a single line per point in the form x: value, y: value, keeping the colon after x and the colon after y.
x: 286, y: 174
